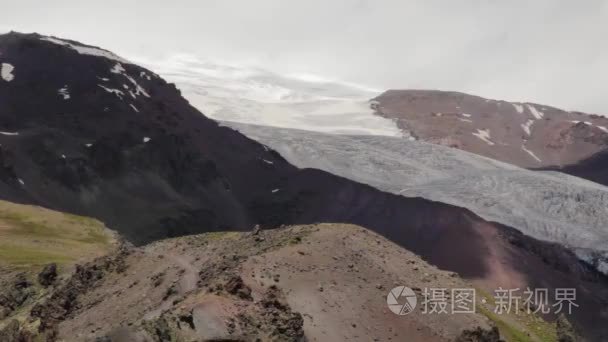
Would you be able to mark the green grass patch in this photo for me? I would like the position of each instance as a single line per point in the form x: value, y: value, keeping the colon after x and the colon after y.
x: 509, y: 332
x: 22, y: 257
x: 213, y: 236
x: 533, y: 328
x: 23, y: 224
x: 31, y: 236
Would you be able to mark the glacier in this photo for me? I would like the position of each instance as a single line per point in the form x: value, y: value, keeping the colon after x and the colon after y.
x: 549, y: 206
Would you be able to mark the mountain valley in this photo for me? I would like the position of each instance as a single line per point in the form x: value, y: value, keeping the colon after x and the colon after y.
x: 158, y: 223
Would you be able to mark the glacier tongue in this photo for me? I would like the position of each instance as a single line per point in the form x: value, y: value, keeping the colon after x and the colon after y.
x: 548, y: 206
x: 343, y: 137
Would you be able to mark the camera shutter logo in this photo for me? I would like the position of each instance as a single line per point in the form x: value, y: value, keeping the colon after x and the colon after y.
x: 401, y: 300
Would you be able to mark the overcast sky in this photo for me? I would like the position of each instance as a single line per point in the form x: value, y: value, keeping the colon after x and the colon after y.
x: 548, y: 51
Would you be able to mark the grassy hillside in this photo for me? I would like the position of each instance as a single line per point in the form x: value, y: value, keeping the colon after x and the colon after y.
x: 32, y: 236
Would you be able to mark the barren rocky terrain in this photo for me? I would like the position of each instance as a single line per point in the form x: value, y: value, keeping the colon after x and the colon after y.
x: 323, y: 282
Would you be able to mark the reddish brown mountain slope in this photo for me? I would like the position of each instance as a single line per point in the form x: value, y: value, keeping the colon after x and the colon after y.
x: 525, y: 134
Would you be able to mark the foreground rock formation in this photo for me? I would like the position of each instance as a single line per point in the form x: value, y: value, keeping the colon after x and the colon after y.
x: 306, y: 283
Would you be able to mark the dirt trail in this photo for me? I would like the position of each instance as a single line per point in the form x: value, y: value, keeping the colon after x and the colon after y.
x: 187, y: 281
x: 189, y: 278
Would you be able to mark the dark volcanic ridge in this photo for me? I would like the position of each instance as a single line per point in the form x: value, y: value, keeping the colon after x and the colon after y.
x: 593, y: 168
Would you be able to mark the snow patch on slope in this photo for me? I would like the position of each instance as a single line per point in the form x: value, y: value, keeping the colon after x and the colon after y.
x: 523, y: 147
x: 519, y: 108
x: 64, y: 92
x: 119, y: 69
x: 6, y: 71
x: 527, y: 125
x: 134, y: 108
x: 118, y: 93
x: 535, y: 112
x: 143, y: 74
x: 86, y: 50
x: 484, y: 134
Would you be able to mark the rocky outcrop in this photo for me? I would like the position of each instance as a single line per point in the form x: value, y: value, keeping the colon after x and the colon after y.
x: 272, y: 317
x: 63, y: 302
x: 13, y: 332
x: 237, y: 287
x: 48, y: 275
x: 594, y: 168
x: 15, y: 294
x: 480, y: 335
x: 565, y: 331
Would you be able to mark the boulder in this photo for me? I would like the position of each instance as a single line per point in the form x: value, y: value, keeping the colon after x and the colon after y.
x: 48, y: 275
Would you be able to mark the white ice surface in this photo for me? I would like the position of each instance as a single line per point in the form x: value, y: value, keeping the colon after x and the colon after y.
x: 252, y: 95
